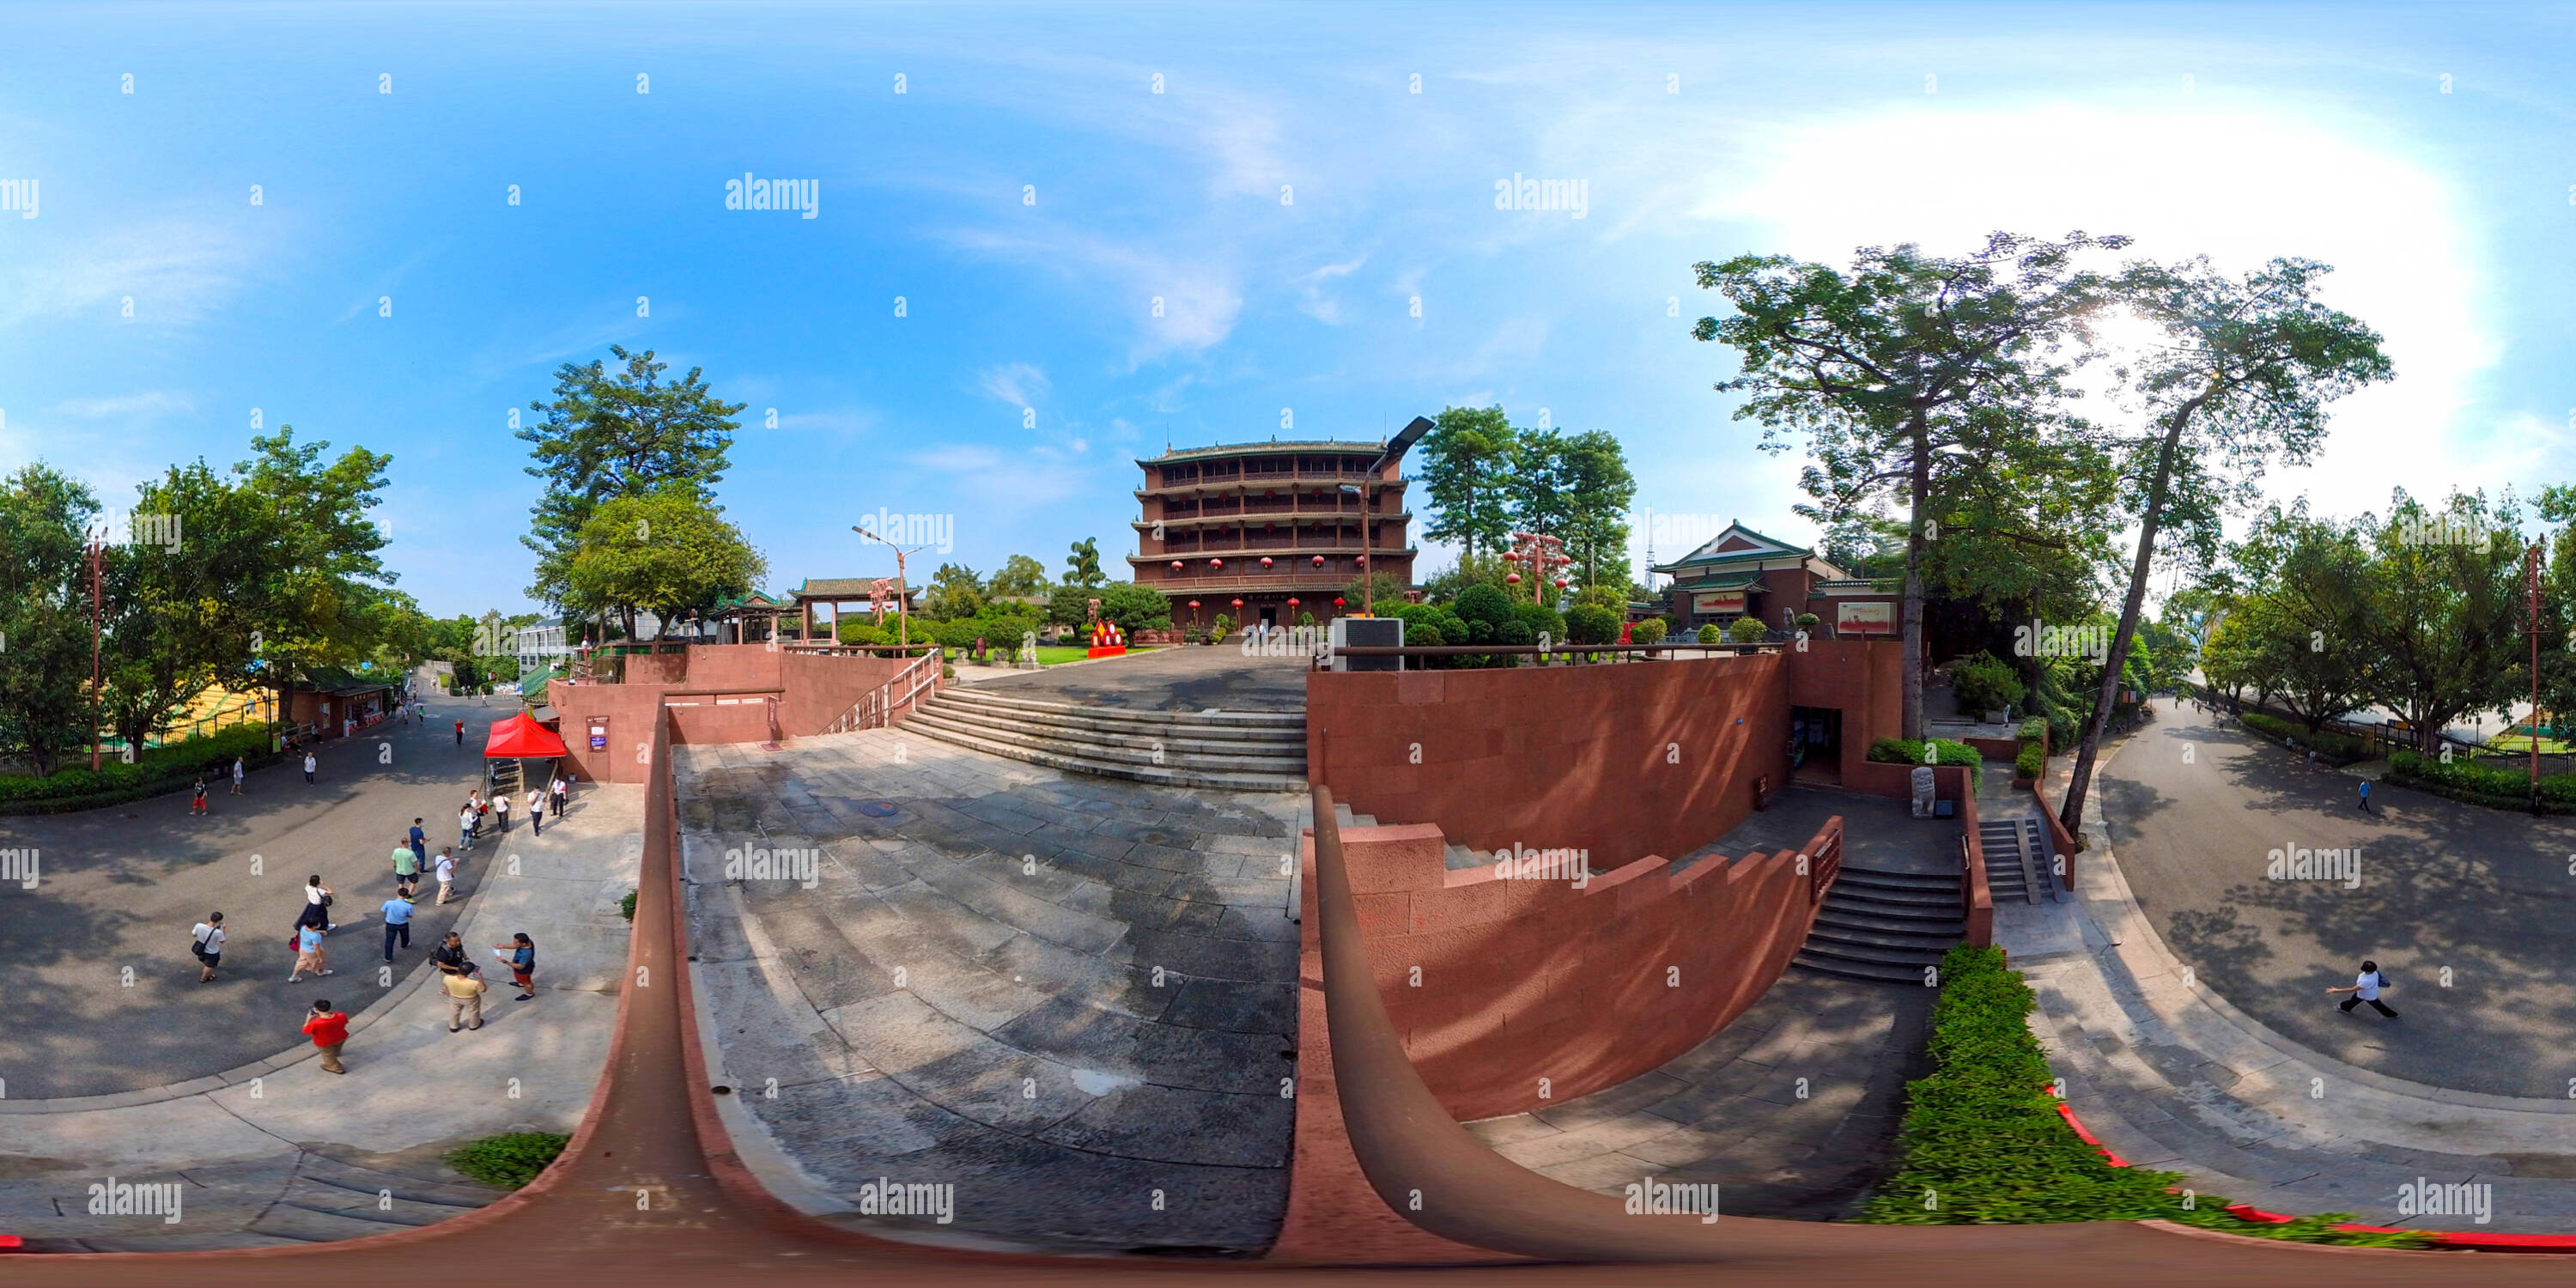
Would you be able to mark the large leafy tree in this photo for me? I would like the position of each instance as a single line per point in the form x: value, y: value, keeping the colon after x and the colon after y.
x: 621, y: 433
x: 320, y: 593
x: 666, y: 552
x: 2445, y: 615
x: 44, y: 617
x: 955, y: 592
x: 176, y: 595
x: 1468, y: 463
x: 1595, y: 489
x: 2237, y: 380
x: 1903, y: 370
x: 1082, y: 567
x: 2307, y: 621
x: 1019, y: 575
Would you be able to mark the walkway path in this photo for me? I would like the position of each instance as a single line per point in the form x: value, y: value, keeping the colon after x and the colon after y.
x: 120, y: 887
x: 1792, y: 1109
x: 276, y: 1151
x: 1073, y: 998
x: 1189, y: 678
x: 2171, y: 1073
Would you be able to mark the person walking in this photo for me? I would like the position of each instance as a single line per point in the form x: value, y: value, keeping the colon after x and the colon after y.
x: 330, y: 1031
x: 317, y: 905
x: 465, y: 829
x: 398, y: 921
x: 474, y: 802
x: 419, y: 843
x: 197, y: 796
x: 446, y: 872
x: 521, y: 953
x: 563, y: 796
x: 406, y: 868
x: 2366, y: 987
x: 501, y: 812
x: 206, y: 943
x: 465, y: 991
x: 460, y: 733
x: 309, y: 954
x: 2365, y: 796
x: 237, y: 775
x: 309, y: 765
x: 537, y: 811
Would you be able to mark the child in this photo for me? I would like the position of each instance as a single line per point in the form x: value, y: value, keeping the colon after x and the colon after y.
x: 197, y: 801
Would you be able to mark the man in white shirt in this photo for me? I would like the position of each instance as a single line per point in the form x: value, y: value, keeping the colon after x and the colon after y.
x: 2365, y: 988
x: 446, y: 873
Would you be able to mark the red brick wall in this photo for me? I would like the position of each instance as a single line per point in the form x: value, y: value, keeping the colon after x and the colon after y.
x: 1625, y: 761
x: 1865, y: 679
x: 819, y: 690
x: 1522, y: 979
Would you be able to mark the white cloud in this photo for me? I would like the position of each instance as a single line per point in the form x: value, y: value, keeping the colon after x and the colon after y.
x: 2241, y: 182
x: 1314, y: 303
x: 177, y: 272
x: 1018, y: 383
x: 148, y: 403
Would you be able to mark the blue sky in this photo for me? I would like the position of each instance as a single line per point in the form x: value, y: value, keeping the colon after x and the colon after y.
x: 1287, y: 196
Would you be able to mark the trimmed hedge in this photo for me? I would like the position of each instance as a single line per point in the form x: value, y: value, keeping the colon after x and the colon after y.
x: 155, y: 771
x: 1982, y: 1142
x: 1908, y: 751
x: 2478, y: 784
x: 2341, y: 748
x: 2032, y: 762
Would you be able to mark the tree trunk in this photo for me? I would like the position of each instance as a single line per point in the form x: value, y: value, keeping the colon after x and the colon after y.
x: 1920, y: 488
x: 2070, y: 814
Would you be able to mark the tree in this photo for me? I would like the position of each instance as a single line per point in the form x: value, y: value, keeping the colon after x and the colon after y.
x: 1020, y: 576
x: 666, y: 552
x: 2307, y: 621
x: 1910, y: 367
x: 44, y: 616
x: 1577, y: 488
x: 318, y: 598
x: 2443, y: 626
x: 1467, y: 463
x: 2240, y: 378
x: 955, y: 592
x: 1082, y: 567
x: 617, y: 435
x: 1387, y: 588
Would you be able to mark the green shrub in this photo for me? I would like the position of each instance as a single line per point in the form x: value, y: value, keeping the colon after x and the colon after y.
x: 155, y: 770
x: 1487, y: 604
x: 1541, y: 618
x: 1807, y: 622
x: 2480, y: 784
x: 1305, y: 619
x: 1218, y: 629
x: 2032, y: 762
x: 509, y: 1160
x: 1712, y: 633
x: 1983, y: 682
x: 2032, y: 727
x: 1649, y: 631
x: 1982, y: 1142
x: 1747, y: 629
x: 1908, y: 751
x: 1591, y: 624
x: 626, y: 906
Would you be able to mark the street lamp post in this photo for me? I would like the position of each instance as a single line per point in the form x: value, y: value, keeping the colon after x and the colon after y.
x: 97, y: 553
x: 1396, y: 447
x: 902, y: 591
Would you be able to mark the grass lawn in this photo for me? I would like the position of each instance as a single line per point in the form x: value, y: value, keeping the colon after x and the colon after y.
x: 2522, y: 743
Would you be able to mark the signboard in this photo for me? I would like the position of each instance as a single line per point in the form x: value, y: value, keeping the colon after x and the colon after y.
x: 599, y: 735
x: 1865, y: 618
x: 1718, y: 601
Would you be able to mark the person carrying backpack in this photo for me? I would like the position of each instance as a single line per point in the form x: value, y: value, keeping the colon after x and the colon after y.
x: 206, y: 944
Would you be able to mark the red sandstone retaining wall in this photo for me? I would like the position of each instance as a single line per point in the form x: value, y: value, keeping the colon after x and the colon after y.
x: 1625, y: 761
x: 1524, y: 980
x: 818, y: 690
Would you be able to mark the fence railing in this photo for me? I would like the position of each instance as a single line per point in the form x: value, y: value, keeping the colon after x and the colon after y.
x: 1571, y: 654
x: 2377, y: 739
x: 879, y: 708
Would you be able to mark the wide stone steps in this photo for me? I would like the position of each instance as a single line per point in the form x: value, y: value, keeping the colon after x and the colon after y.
x: 1237, y: 751
x: 1885, y: 927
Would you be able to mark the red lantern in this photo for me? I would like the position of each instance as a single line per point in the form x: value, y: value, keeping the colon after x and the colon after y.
x: 1511, y: 579
x: 1292, y: 601
x: 1194, y: 605
x: 1265, y: 561
x: 1338, y: 601
x: 1560, y: 583
x: 1216, y: 563
x: 1238, y: 603
x: 1176, y: 565
x: 1363, y: 561
x: 1319, y: 561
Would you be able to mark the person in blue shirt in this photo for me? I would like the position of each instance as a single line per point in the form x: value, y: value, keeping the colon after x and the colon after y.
x: 521, y: 953
x: 397, y: 922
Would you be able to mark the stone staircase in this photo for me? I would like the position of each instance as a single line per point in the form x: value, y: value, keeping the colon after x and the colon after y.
x: 1884, y: 926
x: 2017, y: 865
x: 314, y: 1200
x: 1259, y: 751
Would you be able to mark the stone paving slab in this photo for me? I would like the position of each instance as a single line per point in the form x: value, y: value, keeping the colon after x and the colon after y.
x: 1059, y: 994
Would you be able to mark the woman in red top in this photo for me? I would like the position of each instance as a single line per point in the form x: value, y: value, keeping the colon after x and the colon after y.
x: 330, y: 1029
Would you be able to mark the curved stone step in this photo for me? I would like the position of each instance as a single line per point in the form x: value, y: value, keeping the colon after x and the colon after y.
x: 1211, y: 719
x: 1142, y: 758
x: 1159, y: 775
x: 1108, y: 740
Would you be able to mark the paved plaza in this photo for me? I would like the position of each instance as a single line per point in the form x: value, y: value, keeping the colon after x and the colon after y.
x: 1072, y: 998
x: 1218, y: 677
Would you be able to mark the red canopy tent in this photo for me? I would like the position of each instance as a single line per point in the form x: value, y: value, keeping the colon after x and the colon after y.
x: 520, y: 737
